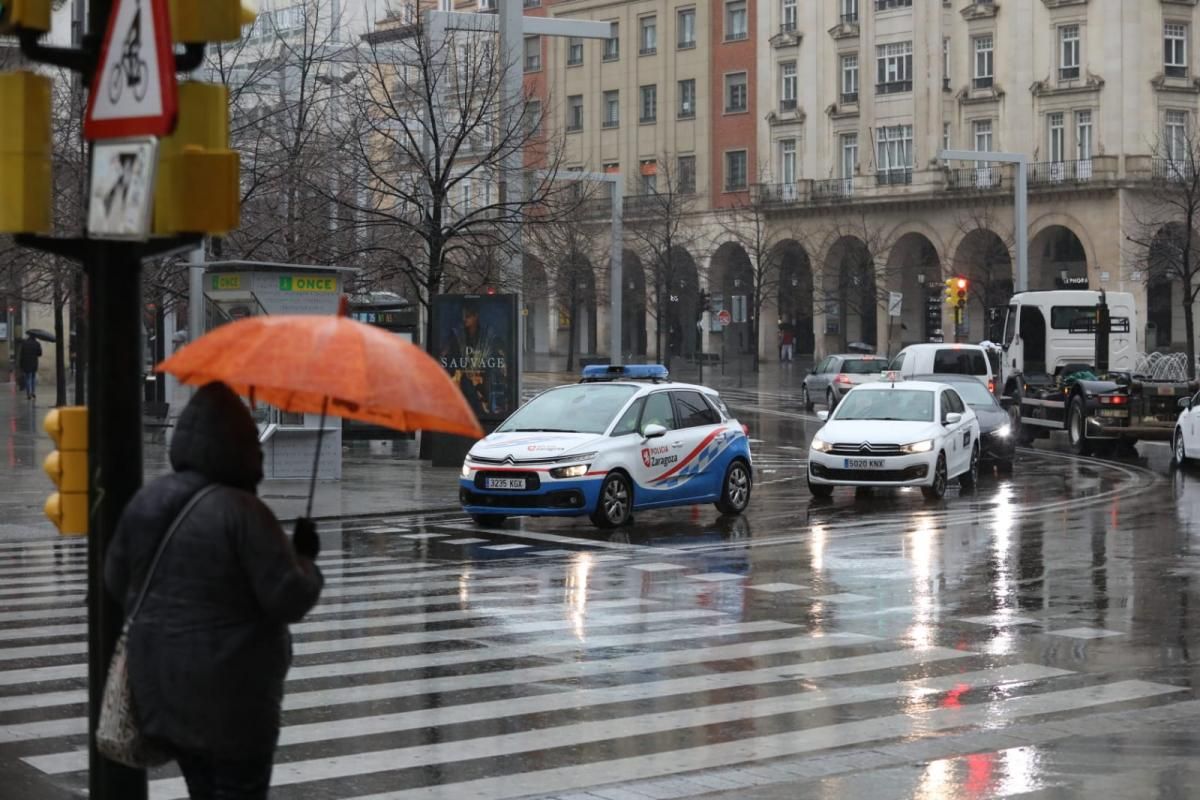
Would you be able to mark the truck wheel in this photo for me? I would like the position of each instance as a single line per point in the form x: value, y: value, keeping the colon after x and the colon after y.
x: 1178, y: 451
x: 1076, y: 428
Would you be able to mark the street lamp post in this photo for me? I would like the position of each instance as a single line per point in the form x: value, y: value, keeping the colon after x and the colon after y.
x: 1020, y: 202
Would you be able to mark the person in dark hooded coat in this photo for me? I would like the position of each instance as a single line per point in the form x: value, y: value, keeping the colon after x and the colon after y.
x: 210, y: 648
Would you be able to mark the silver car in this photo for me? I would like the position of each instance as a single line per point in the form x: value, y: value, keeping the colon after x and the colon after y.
x: 831, y: 378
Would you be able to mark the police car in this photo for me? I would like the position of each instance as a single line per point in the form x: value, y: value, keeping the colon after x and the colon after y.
x: 622, y: 440
x: 896, y: 434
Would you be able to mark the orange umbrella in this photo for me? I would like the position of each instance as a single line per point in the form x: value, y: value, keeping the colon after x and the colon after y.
x: 328, y: 365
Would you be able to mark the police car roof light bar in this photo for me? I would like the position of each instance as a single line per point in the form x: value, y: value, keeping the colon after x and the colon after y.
x: 628, y: 372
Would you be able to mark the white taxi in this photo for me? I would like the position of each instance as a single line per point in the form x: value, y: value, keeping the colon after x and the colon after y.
x: 624, y: 439
x: 896, y: 434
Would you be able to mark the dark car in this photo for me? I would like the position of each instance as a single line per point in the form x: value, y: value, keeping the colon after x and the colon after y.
x: 995, y: 425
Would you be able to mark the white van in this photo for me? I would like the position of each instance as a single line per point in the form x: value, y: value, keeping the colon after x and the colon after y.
x: 946, y: 359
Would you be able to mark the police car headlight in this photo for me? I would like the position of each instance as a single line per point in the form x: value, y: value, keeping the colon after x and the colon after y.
x: 1003, y: 432
x: 466, y: 469
x: 577, y: 471
x: 820, y: 445
x: 918, y: 447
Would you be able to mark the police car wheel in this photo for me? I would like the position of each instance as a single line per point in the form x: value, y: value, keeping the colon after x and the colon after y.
x: 820, y: 490
x: 735, y: 493
x: 615, y: 506
x: 488, y: 520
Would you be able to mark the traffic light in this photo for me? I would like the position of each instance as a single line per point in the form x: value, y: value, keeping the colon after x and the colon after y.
x: 68, y: 468
x: 200, y: 21
x: 32, y: 15
x: 26, y: 205
x: 951, y: 290
x: 196, y: 190
x: 961, y: 291
x: 704, y: 305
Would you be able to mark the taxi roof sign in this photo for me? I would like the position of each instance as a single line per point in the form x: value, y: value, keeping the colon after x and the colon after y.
x: 629, y: 372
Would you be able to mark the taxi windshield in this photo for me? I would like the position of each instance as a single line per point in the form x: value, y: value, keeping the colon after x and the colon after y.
x: 586, y: 408
x: 894, y: 405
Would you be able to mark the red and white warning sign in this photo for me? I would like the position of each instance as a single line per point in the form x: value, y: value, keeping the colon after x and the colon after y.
x: 134, y: 91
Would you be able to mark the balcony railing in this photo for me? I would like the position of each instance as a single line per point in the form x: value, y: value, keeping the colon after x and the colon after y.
x: 976, y: 178
x: 1173, y: 170
x: 850, y: 19
x: 787, y: 105
x: 849, y: 98
x: 984, y: 82
x: 647, y: 51
x: 1048, y: 173
x: 1068, y: 73
x: 737, y: 36
x: 893, y: 87
x: 1175, y: 71
x: 788, y: 27
x: 894, y: 177
x: 833, y: 190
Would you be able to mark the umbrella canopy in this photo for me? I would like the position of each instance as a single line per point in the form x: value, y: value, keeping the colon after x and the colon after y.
x: 327, y: 364
x: 45, y: 336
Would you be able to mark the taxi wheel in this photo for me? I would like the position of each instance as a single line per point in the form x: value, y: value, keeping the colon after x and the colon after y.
x: 938, y: 489
x: 488, y: 520
x: 804, y: 398
x: 615, y: 506
x: 735, y: 493
x: 970, y: 479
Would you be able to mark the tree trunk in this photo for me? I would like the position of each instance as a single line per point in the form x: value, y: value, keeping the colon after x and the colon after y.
x: 572, y: 332
x: 1189, y: 324
x: 79, y: 337
x: 60, y: 366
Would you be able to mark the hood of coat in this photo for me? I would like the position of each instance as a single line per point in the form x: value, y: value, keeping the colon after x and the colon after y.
x: 217, y: 437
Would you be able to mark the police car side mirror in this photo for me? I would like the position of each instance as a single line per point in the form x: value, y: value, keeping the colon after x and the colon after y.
x: 1185, y: 403
x: 823, y: 415
x: 653, y: 431
x: 953, y: 418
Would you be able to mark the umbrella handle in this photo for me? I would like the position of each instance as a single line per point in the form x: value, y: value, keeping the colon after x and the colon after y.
x: 312, y: 483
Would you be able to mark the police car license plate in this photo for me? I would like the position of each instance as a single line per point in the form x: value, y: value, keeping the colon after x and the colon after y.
x: 864, y: 463
x: 505, y: 483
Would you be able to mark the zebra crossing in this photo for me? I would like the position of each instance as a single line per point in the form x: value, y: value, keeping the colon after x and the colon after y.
x: 585, y: 674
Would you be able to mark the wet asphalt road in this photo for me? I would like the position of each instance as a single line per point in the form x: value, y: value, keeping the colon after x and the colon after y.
x: 1033, y: 639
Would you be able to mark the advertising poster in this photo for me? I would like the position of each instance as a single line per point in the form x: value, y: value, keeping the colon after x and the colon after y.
x: 475, y: 339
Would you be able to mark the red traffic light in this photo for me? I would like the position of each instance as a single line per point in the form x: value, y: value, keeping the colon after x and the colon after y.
x: 962, y: 283
x: 491, y: 290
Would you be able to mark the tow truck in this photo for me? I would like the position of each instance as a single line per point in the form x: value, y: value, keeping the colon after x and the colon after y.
x: 1068, y: 365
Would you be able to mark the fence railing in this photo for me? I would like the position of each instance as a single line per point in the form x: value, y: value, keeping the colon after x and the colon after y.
x: 1045, y: 173
x: 1170, y: 169
x: 976, y: 178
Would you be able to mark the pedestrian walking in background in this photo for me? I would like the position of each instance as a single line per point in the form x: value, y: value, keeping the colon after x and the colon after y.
x: 31, y: 353
x: 209, y: 648
x: 787, y: 343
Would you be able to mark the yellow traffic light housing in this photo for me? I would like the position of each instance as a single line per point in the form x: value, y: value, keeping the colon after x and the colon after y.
x: 26, y: 204
x: 198, y: 21
x: 197, y: 187
x: 31, y: 15
x: 950, y: 290
x: 68, y: 468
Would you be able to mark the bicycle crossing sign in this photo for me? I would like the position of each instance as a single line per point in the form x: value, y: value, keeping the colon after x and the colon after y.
x: 134, y: 91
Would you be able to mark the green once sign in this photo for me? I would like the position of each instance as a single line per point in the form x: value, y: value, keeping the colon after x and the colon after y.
x: 323, y: 284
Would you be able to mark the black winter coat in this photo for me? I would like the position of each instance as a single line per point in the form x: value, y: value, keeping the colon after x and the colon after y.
x: 31, y: 351
x: 210, y: 649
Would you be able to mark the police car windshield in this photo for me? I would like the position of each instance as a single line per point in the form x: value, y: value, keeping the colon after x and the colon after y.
x: 586, y: 408
x: 895, y: 405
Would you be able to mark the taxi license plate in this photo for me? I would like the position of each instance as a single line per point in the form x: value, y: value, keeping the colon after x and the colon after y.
x: 505, y: 483
x: 864, y: 463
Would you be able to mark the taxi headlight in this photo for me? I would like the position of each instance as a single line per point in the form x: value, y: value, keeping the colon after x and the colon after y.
x: 1003, y: 432
x: 577, y: 471
x: 820, y: 445
x: 918, y: 447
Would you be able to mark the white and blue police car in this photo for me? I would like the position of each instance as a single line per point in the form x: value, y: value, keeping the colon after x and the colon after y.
x: 624, y: 439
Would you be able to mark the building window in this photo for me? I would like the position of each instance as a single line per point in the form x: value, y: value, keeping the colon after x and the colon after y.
x: 648, y: 36
x: 1175, y: 60
x: 735, y: 171
x: 533, y: 53
x: 849, y: 11
x: 945, y: 135
x: 946, y: 63
x: 649, y: 104
x: 574, y: 52
x: 895, y: 156
x: 983, y: 136
x: 648, y: 175
x: 1068, y: 53
x: 736, y: 21
x: 787, y: 161
x: 888, y: 5
x: 787, y: 87
x: 687, y: 99
x: 1056, y: 143
x: 849, y: 148
x: 983, y: 62
x: 533, y: 115
x: 685, y: 175
x: 685, y: 22
x: 1175, y: 133
x: 612, y: 109
x: 790, y: 18
x: 895, y: 67
x: 736, y: 96
x: 575, y: 112
x: 612, y: 45
x: 850, y: 79
x: 1083, y: 135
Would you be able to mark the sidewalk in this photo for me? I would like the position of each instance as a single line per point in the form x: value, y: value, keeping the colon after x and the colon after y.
x: 375, y: 479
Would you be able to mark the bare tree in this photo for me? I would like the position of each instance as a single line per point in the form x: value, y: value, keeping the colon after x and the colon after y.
x: 858, y: 283
x: 662, y: 229
x: 1164, y: 238
x: 424, y: 166
x: 985, y: 257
